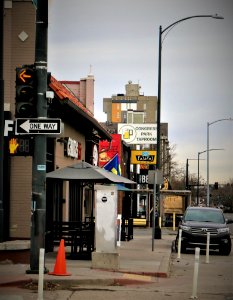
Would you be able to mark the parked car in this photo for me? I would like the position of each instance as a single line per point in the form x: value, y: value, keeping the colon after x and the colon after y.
x: 195, y: 224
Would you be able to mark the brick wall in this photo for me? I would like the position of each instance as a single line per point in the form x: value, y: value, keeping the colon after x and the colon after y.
x: 20, y: 197
x: 20, y: 17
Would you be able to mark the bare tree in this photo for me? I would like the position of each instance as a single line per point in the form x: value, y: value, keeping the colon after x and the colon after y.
x: 223, y: 196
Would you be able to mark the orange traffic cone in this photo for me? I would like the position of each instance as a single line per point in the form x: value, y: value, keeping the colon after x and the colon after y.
x: 60, y: 265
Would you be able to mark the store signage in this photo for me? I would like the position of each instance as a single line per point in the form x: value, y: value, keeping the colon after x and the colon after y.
x: 9, y: 127
x: 138, y: 133
x: 95, y: 155
x: 72, y: 148
x: 142, y: 179
x: 143, y: 157
x: 109, y: 149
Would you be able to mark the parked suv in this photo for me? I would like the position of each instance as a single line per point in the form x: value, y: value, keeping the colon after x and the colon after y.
x: 195, y: 224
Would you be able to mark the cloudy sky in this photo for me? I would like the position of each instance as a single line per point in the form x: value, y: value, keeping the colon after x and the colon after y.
x: 120, y: 40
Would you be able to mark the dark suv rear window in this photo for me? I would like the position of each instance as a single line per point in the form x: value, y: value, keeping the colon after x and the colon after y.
x: 204, y: 215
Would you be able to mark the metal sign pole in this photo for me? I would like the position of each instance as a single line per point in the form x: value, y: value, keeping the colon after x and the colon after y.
x: 154, y: 205
x: 39, y: 158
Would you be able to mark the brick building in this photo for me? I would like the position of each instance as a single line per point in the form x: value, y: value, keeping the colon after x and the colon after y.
x: 73, y: 103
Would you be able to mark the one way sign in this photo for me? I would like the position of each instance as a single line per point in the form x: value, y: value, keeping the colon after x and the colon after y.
x: 38, y: 126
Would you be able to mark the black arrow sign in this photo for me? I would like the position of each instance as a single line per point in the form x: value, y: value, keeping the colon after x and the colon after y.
x: 38, y: 126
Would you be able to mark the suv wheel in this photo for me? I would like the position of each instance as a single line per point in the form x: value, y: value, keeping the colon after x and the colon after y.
x: 176, y: 244
x: 225, y: 249
x: 183, y: 246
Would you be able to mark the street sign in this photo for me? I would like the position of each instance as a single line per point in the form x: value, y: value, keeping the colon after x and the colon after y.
x: 155, y: 176
x: 38, y: 126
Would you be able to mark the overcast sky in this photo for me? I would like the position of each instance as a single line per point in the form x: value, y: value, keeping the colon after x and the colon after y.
x: 120, y: 40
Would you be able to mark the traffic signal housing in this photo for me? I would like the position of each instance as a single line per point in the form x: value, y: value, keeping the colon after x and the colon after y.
x: 216, y: 185
x: 20, y: 145
x: 25, y: 106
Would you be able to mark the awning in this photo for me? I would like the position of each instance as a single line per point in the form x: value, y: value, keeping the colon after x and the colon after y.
x: 85, y: 172
x: 123, y: 188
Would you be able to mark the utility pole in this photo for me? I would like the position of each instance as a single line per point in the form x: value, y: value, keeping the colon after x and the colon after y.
x: 187, y: 172
x: 1, y: 123
x: 39, y: 158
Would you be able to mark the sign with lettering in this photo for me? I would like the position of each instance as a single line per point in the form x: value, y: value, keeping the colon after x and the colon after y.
x: 72, y: 148
x: 38, y: 126
x: 142, y: 178
x: 143, y: 157
x: 138, y: 133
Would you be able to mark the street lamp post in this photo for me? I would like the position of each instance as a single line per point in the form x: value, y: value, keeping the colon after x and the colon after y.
x: 207, y: 175
x: 198, y: 174
x: 161, y: 32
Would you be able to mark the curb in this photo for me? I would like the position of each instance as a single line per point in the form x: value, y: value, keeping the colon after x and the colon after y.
x: 126, y: 278
x: 134, y: 269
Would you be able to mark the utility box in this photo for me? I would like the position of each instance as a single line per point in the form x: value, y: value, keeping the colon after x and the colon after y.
x: 105, y: 256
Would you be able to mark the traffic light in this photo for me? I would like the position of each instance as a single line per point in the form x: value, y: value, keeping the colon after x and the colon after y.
x: 25, y: 106
x: 216, y: 185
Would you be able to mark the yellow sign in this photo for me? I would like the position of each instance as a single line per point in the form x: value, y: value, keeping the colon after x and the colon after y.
x: 143, y: 157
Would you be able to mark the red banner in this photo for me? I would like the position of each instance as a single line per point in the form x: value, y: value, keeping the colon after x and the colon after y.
x: 107, y: 150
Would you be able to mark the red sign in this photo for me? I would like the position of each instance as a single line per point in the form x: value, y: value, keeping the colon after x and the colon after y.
x: 107, y: 150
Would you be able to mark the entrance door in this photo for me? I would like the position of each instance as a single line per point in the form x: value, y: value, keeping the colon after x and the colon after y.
x: 54, y: 203
x: 75, y: 201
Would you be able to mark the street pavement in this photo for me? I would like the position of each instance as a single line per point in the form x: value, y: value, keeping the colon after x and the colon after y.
x: 137, y: 263
x: 143, y: 274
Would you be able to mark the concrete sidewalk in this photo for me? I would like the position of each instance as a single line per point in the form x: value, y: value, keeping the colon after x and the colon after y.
x: 138, y: 263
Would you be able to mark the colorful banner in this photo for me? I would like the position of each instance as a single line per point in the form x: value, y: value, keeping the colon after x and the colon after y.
x: 114, y: 165
x: 107, y: 150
